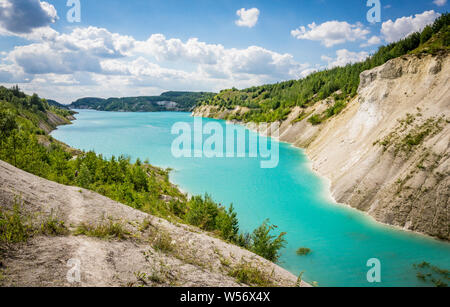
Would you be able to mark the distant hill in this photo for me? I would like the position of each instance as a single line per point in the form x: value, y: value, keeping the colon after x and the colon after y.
x: 168, y: 101
x: 56, y: 104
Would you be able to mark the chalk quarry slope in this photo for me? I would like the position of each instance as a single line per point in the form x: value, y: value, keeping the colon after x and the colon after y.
x: 387, y: 153
x: 196, y: 259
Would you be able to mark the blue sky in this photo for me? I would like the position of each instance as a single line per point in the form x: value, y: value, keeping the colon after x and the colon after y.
x: 130, y: 48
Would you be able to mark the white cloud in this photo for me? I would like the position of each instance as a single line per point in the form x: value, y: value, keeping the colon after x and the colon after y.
x: 402, y: 27
x: 91, y: 57
x: 218, y: 61
x: 174, y: 49
x: 10, y: 73
x: 374, y: 40
x: 440, y: 2
x: 331, y: 33
x: 81, y: 50
x: 24, y: 16
x: 247, y: 18
x: 92, y: 61
x: 344, y: 57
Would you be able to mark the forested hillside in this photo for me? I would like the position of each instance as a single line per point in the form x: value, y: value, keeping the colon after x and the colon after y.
x: 168, y: 101
x: 269, y: 103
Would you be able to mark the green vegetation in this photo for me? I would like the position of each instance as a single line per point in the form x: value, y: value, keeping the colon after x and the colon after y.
x: 408, y: 134
x: 315, y: 120
x: 431, y: 274
x: 244, y: 273
x: 17, y: 226
x: 265, y: 244
x: 13, y: 227
x: 139, y: 185
x: 185, y: 101
x: 53, y: 227
x: 207, y: 215
x: 303, y: 251
x: 163, y: 243
x: 274, y: 102
x: 107, y: 231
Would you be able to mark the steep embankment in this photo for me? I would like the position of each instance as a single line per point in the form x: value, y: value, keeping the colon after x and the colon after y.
x: 140, y: 249
x: 387, y: 153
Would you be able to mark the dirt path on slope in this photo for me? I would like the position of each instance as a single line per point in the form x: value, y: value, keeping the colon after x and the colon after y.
x: 195, y: 259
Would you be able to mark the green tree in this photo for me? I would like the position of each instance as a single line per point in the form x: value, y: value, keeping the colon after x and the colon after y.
x: 84, y: 176
x: 228, y: 224
x: 7, y: 123
x: 202, y: 212
x: 265, y: 244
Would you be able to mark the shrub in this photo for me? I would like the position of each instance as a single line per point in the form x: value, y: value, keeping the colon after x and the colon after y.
x: 315, y: 120
x: 303, y: 251
x: 265, y: 244
x: 202, y: 212
x: 53, y: 227
x: 13, y: 228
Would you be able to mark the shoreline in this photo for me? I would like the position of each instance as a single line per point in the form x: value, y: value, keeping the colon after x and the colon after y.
x: 328, y: 194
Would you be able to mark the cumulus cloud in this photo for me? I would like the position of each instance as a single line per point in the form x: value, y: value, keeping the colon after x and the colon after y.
x: 24, y: 16
x: 344, y: 57
x: 247, y: 18
x: 331, y: 33
x: 92, y: 57
x: 374, y: 40
x: 174, y: 49
x: 99, y: 51
x: 81, y: 50
x: 217, y: 61
x: 400, y: 28
x: 440, y: 2
x: 13, y: 74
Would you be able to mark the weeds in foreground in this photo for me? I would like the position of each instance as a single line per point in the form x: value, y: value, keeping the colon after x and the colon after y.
x: 163, y: 243
x: 298, y: 284
x: 16, y: 227
x: 162, y: 274
x: 106, y: 231
x: 244, y: 273
x: 13, y: 227
x: 53, y: 227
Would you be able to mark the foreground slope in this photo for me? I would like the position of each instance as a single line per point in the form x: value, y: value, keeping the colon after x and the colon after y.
x: 152, y: 251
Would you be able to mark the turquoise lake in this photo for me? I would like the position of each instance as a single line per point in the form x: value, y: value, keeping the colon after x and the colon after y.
x: 291, y: 196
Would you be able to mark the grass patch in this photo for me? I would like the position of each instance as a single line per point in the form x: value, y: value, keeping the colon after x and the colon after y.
x: 53, y: 227
x: 162, y: 274
x: 163, y: 243
x: 13, y: 227
x: 406, y: 136
x: 107, y: 231
x: 244, y: 273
